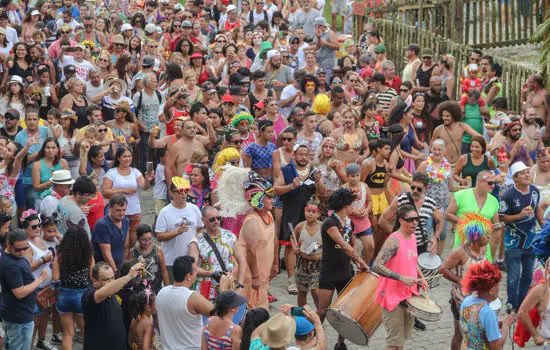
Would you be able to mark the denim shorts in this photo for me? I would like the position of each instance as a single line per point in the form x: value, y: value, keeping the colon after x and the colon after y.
x: 70, y: 300
x: 277, y: 202
x: 37, y: 309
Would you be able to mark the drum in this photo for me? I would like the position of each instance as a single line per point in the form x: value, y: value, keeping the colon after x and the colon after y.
x: 496, y: 305
x: 355, y: 314
x: 429, y: 265
x: 424, y: 309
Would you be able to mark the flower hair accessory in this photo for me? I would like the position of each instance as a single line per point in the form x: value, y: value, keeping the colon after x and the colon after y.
x: 189, y: 168
x: 28, y: 213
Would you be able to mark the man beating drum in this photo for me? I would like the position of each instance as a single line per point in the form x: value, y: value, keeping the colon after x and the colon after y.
x: 399, y: 277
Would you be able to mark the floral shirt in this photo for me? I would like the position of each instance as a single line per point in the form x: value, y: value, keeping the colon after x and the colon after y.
x: 7, y: 184
x: 438, y: 185
x: 478, y: 323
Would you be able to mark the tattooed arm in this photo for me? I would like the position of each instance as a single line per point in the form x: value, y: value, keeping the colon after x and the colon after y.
x: 388, y: 251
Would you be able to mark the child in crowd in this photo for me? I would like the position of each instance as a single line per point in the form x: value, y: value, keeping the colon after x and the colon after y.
x: 471, y: 81
x: 142, y: 327
x: 362, y: 206
x: 160, y: 190
x: 54, y: 119
x: 307, y: 243
x: 6, y: 205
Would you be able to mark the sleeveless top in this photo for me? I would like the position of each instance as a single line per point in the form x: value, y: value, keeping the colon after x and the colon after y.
x: 79, y: 279
x: 408, y: 70
x: 390, y: 292
x: 81, y: 113
x: 125, y: 132
x: 543, y: 189
x: 46, y: 174
x: 282, y: 156
x: 278, y: 125
x: 306, y: 240
x: 330, y: 177
x: 459, y: 270
x: 7, y: 184
x: 544, y: 325
x: 37, y: 253
x: 253, y: 100
x: 201, y: 198
x: 377, y: 178
x: 218, y: 343
x: 423, y: 77
x: 349, y: 142
x: 472, y: 170
x: 96, y: 38
x: 444, y: 79
x: 176, y: 114
x: 360, y: 224
x: 408, y: 141
x: 153, y: 272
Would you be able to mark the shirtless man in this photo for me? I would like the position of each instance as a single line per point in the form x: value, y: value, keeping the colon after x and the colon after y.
x: 534, y: 94
x: 181, y: 152
x: 90, y: 34
x: 540, y: 176
x: 168, y: 140
x: 452, y: 130
x: 373, y: 173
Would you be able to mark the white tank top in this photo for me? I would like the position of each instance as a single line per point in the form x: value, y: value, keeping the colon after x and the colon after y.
x: 37, y: 253
x: 181, y: 330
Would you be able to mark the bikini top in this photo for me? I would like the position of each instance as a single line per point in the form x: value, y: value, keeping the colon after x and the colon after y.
x: 349, y: 142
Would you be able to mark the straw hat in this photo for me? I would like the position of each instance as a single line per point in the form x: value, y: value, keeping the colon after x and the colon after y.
x: 125, y: 106
x: 110, y: 82
x: 118, y: 39
x: 278, y: 331
x: 16, y: 79
x: 69, y: 113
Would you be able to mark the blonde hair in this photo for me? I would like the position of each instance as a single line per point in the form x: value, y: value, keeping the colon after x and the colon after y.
x: 225, y: 156
x: 188, y: 74
x: 320, y: 158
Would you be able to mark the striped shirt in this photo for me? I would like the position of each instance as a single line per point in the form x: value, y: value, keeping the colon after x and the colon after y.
x: 426, y: 212
x: 384, y: 98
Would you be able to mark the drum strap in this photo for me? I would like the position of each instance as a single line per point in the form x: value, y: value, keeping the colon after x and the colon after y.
x: 422, y: 232
x: 215, y: 250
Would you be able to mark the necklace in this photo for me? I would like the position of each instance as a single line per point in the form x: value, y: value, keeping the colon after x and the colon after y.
x: 303, y: 173
x: 441, y: 173
x: 267, y: 221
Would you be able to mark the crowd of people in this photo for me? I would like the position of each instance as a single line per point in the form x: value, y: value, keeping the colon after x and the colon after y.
x: 268, y: 140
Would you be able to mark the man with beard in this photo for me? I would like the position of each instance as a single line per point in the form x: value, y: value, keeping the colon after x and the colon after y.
x: 291, y: 94
x: 486, y: 62
x: 90, y: 34
x: 413, y: 62
x: 11, y: 124
x: 534, y: 94
x: 305, y: 16
x: 452, y: 130
x: 296, y: 118
x: 299, y: 182
x: 433, y: 98
x: 277, y: 75
x: 181, y: 152
x: 515, y: 144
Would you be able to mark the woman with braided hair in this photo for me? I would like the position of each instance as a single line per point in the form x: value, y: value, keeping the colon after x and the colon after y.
x: 243, y: 191
x: 478, y: 322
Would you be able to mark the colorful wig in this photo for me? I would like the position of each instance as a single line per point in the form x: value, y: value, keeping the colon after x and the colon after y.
x: 224, y: 157
x: 480, y: 277
x: 473, y: 226
x: 240, y: 117
x: 321, y: 104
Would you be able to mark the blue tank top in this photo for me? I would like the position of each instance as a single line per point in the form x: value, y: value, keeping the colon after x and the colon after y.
x: 408, y: 142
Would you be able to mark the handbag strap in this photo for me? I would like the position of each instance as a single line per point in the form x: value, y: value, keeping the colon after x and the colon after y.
x: 215, y: 250
x: 452, y: 141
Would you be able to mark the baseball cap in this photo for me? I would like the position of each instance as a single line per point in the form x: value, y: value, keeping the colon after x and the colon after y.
x: 186, y: 24
x: 208, y: 87
x: 126, y: 26
x: 80, y: 46
x: 148, y: 61
x: 150, y: 28
x: 231, y: 8
x: 12, y: 111
x: 69, y: 69
x: 380, y: 48
x: 236, y: 91
x: 272, y: 53
x: 228, y: 99
x: 427, y: 52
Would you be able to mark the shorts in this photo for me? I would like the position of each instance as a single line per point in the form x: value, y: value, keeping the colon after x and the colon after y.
x: 379, y: 203
x: 307, y: 274
x: 70, y: 300
x: 37, y: 311
x: 338, y: 6
x: 398, y: 325
x: 333, y: 285
x: 159, y: 204
x: 277, y: 202
x: 455, y: 309
x: 367, y: 232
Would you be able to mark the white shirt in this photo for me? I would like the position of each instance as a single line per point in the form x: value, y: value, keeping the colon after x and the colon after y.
x: 168, y: 220
x: 82, y: 68
x: 287, y: 93
x: 160, y: 190
x: 92, y: 91
x: 73, y: 23
x: 124, y: 181
x: 11, y: 35
x: 181, y: 330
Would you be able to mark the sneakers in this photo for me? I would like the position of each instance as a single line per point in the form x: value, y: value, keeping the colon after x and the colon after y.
x: 419, y: 325
x: 57, y: 339
x: 44, y: 345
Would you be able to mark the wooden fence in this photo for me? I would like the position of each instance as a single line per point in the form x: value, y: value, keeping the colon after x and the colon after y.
x: 397, y: 36
x: 478, y: 23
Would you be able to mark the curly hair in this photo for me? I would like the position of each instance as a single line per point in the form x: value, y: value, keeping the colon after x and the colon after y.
x: 452, y: 107
x: 240, y: 117
x: 75, y: 251
x: 481, y: 277
x: 340, y: 199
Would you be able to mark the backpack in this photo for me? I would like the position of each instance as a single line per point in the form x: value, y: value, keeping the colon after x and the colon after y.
x: 251, y: 17
x: 140, y: 99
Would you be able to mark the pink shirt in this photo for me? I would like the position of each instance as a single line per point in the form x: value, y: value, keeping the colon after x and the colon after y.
x: 390, y: 292
x: 278, y: 126
x: 55, y: 47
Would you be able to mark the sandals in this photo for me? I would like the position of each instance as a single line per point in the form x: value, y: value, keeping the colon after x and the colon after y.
x: 292, y: 287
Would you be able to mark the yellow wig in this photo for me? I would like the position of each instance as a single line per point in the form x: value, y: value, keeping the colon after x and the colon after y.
x: 224, y: 157
x: 321, y: 104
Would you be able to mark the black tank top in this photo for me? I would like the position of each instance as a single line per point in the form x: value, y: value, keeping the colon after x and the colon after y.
x: 80, y: 112
x: 377, y: 178
x: 253, y: 100
x: 423, y: 77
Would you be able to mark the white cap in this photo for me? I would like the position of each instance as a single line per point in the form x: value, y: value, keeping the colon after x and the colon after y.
x: 272, y: 53
x: 150, y: 28
x: 517, y: 167
x: 159, y: 30
x: 473, y: 66
x: 126, y: 26
x: 231, y: 8
x: 35, y: 13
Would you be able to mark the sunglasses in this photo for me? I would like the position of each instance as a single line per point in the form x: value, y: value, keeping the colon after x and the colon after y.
x: 413, y: 219
x: 120, y: 45
x: 353, y: 81
x: 19, y: 250
x: 295, y: 42
x: 337, y: 81
x: 221, y: 41
x: 145, y: 240
x: 404, y: 90
x: 417, y: 189
x: 11, y: 117
x: 212, y: 219
x: 217, y: 52
x: 65, y: 32
x: 177, y: 25
x: 237, y: 142
x: 103, y: 60
x: 235, y: 162
x: 101, y: 130
x: 181, y: 190
x: 490, y: 183
x: 475, y: 59
x: 288, y: 139
x: 34, y: 227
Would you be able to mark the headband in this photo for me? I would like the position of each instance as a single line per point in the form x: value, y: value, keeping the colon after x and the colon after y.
x: 311, y: 207
x: 543, y: 152
x: 511, y: 124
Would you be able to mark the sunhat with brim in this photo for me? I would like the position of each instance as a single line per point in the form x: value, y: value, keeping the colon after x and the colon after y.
x: 110, y: 82
x: 16, y: 79
x: 118, y: 39
x: 517, y: 167
x: 126, y: 26
x: 62, y: 177
x: 278, y: 331
x: 124, y: 106
x: 69, y: 114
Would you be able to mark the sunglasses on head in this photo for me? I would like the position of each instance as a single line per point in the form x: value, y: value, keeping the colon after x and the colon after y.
x: 19, y: 250
x: 214, y: 218
x: 417, y: 188
x: 413, y: 219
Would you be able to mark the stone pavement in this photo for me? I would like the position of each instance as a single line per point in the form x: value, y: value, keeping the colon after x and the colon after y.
x: 437, y: 336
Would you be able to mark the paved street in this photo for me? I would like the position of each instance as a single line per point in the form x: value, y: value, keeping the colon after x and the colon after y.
x: 437, y: 336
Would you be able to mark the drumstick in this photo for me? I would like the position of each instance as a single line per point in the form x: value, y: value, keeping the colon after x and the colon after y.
x: 430, y: 277
x: 292, y: 235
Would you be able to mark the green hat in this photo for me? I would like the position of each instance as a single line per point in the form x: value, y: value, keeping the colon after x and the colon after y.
x: 380, y: 48
x: 264, y: 47
x: 349, y: 42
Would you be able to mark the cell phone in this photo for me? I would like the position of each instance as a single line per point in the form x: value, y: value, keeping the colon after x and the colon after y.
x: 70, y: 49
x: 149, y: 167
x: 297, y: 311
